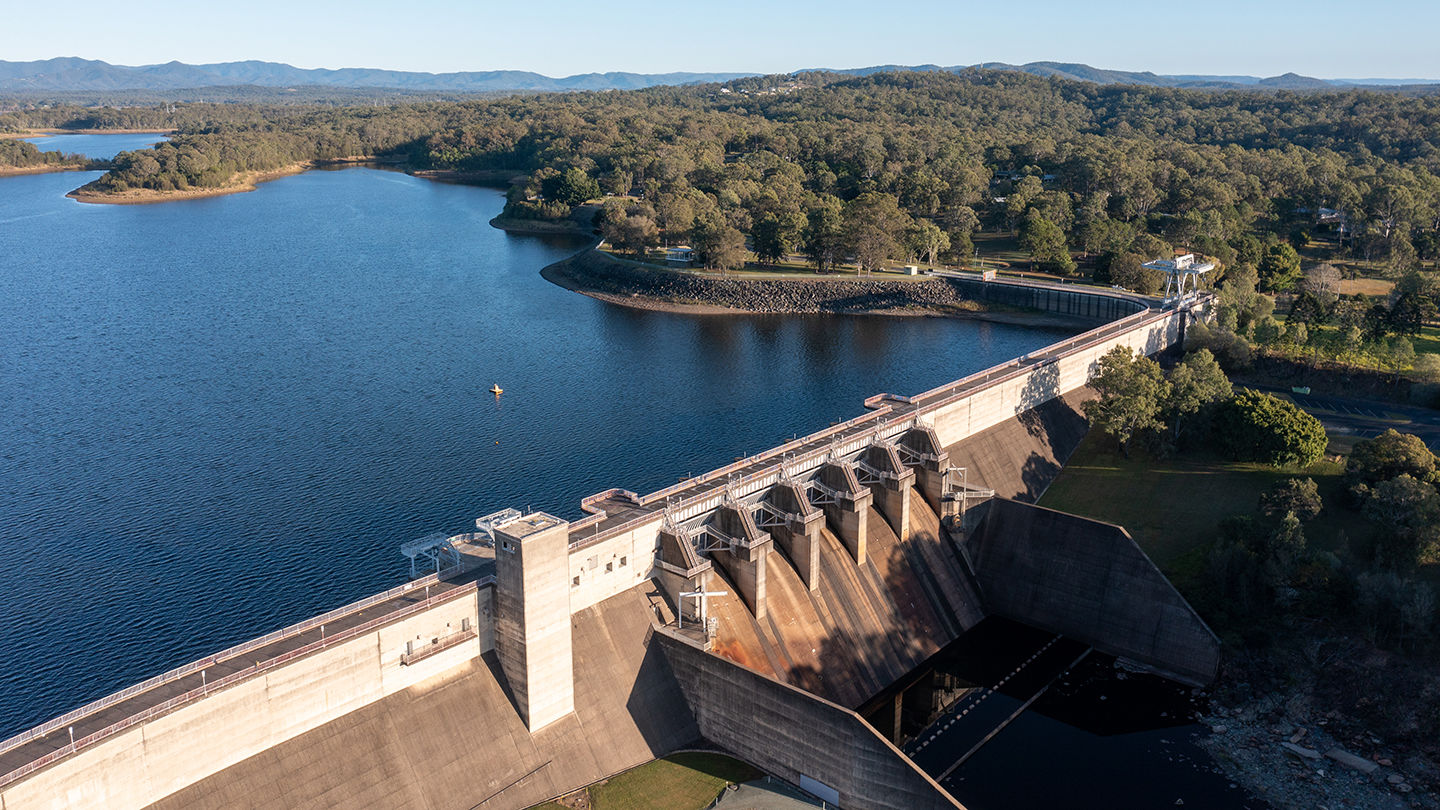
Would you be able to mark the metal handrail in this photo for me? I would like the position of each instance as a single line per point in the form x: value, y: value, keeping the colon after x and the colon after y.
x: 210, y: 660
x: 236, y: 677
x: 947, y: 394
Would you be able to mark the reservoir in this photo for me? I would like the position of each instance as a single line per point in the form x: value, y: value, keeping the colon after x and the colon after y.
x: 224, y: 415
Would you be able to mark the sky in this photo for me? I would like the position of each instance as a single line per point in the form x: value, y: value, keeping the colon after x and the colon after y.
x: 1379, y: 39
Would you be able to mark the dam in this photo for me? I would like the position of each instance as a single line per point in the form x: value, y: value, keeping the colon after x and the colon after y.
x: 756, y: 607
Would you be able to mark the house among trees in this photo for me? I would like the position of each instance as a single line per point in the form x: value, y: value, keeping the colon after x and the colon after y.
x: 680, y: 255
x: 1336, y: 219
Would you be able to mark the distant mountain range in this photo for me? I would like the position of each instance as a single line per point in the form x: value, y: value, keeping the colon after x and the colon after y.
x: 69, y: 74
x: 1086, y: 73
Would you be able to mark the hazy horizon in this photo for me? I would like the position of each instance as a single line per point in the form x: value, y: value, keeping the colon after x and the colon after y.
x: 1390, y: 40
x: 1218, y: 73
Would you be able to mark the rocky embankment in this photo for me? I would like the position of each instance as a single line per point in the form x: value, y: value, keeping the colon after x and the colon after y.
x: 643, y: 286
x: 1283, y: 754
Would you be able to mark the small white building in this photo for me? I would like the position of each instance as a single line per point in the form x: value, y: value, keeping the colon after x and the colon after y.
x: 680, y: 255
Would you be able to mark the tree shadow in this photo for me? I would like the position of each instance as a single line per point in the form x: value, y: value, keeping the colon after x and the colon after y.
x: 1042, y: 387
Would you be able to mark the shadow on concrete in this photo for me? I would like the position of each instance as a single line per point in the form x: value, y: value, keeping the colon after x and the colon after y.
x: 657, y: 707
x: 1042, y: 387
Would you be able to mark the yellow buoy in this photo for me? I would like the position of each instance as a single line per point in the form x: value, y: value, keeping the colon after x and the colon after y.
x: 496, y: 389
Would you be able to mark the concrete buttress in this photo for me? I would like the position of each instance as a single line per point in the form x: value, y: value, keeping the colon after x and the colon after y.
x: 743, y: 554
x: 891, y: 481
x: 921, y: 451
x: 797, y: 529
x: 681, y: 569
x: 846, y: 505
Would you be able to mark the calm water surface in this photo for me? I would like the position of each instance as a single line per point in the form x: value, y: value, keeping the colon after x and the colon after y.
x: 222, y: 416
x: 96, y: 146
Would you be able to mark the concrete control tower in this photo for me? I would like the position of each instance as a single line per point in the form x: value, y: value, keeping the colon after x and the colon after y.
x: 532, y: 616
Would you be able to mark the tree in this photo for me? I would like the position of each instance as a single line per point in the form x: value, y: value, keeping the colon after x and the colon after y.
x: 1045, y: 243
x: 1410, y: 312
x: 1427, y: 368
x: 824, y: 235
x: 927, y: 240
x: 1255, y: 426
x: 1388, y: 455
x: 1279, y: 268
x: 1296, y: 496
x: 1323, y: 282
x: 1409, y: 512
x: 1197, y: 384
x: 573, y: 187
x: 676, y: 214
x: 1129, y: 271
x: 1268, y: 331
x: 717, y: 244
x: 635, y: 233
x: 774, y: 237
x: 874, y: 227
x: 1131, y: 388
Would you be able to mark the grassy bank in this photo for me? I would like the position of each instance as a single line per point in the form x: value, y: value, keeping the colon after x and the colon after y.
x: 688, y: 781
x: 1172, y: 506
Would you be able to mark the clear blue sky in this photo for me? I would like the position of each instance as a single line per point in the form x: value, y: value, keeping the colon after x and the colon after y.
x: 1385, y: 38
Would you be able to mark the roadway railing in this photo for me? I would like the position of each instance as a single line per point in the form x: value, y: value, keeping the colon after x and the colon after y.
x: 880, y: 409
x: 240, y: 649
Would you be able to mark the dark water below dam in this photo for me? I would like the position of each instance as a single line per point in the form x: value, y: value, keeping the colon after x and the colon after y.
x: 1008, y: 716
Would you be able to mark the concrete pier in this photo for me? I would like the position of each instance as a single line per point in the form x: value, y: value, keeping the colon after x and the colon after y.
x: 921, y: 451
x: 891, y: 481
x: 745, y: 554
x: 798, y: 533
x: 846, y: 505
x: 532, y: 617
x: 680, y: 569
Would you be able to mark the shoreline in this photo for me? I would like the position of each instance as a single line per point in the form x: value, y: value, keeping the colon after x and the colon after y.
x: 576, y: 274
x: 245, y: 181
x: 19, y: 171
x: 45, y: 133
x: 579, y: 223
x: 490, y: 178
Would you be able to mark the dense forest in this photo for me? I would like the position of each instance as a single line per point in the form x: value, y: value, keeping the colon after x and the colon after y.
x: 888, y: 167
x: 25, y: 155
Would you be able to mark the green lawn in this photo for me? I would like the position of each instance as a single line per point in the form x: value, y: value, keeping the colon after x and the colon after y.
x: 679, y: 782
x: 1172, y: 506
x: 1428, y: 341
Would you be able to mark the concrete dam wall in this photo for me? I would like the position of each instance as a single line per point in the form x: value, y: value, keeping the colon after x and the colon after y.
x: 499, y: 690
x: 205, y: 733
x: 801, y: 738
x: 1088, y: 580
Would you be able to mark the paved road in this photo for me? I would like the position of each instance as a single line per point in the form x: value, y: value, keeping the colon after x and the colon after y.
x: 1365, y: 418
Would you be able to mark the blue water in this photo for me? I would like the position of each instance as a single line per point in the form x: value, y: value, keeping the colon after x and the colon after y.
x: 223, y: 415
x: 96, y: 146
